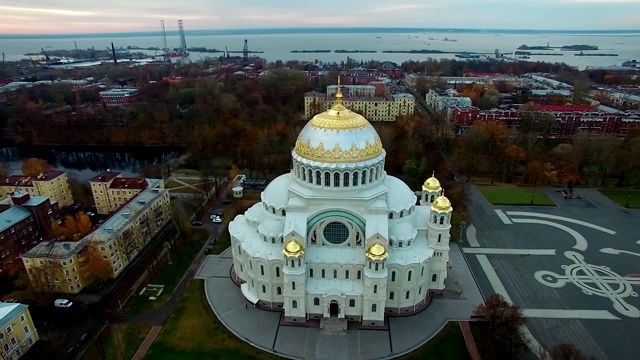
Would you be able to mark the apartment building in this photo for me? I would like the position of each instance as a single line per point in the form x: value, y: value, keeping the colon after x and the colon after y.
x: 17, y: 331
x: 374, y: 102
x: 18, y: 234
x: 44, y: 210
x: 52, y: 184
x: 110, y: 190
x: 61, y: 266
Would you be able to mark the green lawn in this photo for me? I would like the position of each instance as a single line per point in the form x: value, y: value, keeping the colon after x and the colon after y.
x: 622, y: 196
x: 514, y: 196
x: 448, y: 344
x: 170, y: 274
x: 222, y: 243
x: 192, y: 332
x: 173, y: 184
x: 187, y: 172
x: 191, y: 181
x: 131, y: 336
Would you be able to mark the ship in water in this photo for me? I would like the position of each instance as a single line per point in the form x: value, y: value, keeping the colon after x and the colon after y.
x: 180, y: 52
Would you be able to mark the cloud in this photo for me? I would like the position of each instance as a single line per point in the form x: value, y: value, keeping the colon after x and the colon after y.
x: 397, y: 7
x: 16, y: 9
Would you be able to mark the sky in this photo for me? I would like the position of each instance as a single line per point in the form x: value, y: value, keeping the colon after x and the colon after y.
x: 92, y: 16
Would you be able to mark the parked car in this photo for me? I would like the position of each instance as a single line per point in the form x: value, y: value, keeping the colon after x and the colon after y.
x: 207, y: 251
x: 84, y: 337
x: 62, y: 303
x: 212, y: 242
x: 217, y: 220
x: 197, y: 223
x: 73, y: 349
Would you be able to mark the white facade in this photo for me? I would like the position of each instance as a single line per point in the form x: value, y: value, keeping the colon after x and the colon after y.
x: 337, y: 235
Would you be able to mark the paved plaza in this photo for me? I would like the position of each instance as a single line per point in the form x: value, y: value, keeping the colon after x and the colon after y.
x: 262, y: 328
x: 573, y: 269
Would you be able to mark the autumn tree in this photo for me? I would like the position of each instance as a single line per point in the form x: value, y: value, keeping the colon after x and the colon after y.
x: 95, y: 270
x: 180, y: 217
x: 42, y: 278
x: 566, y: 351
x: 502, y: 324
x: 74, y: 227
x: 34, y: 167
x: 515, y: 156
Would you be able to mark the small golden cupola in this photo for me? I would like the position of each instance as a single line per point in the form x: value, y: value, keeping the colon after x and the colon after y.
x: 293, y: 248
x: 441, y: 204
x: 377, y: 251
x: 432, y: 184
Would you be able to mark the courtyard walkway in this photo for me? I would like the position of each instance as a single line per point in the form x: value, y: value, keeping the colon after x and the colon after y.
x: 262, y: 328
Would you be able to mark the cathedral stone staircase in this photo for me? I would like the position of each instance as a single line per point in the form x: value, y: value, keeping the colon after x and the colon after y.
x: 333, y: 326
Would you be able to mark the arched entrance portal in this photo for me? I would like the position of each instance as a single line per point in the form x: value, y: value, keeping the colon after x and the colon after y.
x: 334, y: 308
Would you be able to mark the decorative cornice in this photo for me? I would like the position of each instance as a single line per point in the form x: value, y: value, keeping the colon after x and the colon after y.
x: 337, y: 155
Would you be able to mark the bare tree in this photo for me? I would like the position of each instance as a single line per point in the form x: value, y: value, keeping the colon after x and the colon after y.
x: 503, y: 324
x: 566, y: 351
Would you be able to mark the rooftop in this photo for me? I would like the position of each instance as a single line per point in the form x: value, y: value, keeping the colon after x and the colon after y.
x: 118, y: 92
x: 12, y: 216
x: 129, y: 183
x: 560, y: 108
x: 8, y: 311
x: 105, y: 176
x: 22, y: 180
x: 55, y: 249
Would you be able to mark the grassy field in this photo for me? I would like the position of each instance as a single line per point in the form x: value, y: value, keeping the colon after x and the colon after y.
x: 131, y: 336
x: 448, y: 344
x: 514, y: 196
x: 622, y: 196
x: 173, y: 184
x: 222, y: 243
x: 193, y: 332
x: 169, y: 275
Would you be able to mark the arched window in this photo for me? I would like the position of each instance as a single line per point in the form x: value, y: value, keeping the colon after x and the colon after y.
x: 277, y: 271
x: 310, y: 272
x: 310, y: 176
x: 441, y: 220
x: 420, y: 290
x: 390, y: 243
x: 294, y: 304
x: 279, y: 290
x: 264, y: 289
x: 352, y: 303
x: 422, y: 272
x: 250, y: 265
x: 376, y: 266
x: 335, y: 274
x: 409, y: 276
x: 299, y: 262
x: 401, y: 213
x: 359, y: 275
x: 406, y: 296
x: 336, y: 179
x: 391, y: 295
x: 273, y: 240
x: 374, y: 308
x: 239, y: 250
x: 375, y: 289
x: 431, y: 198
x: 345, y: 179
x: 293, y: 263
x: 355, y: 178
x: 304, y: 174
x: 393, y: 276
x: 327, y: 179
x: 434, y: 277
x: 409, y: 243
x: 318, y: 178
x: 346, y: 274
x: 316, y: 301
x: 293, y: 285
x: 439, y: 237
x: 262, y: 270
x: 364, y: 177
x: 284, y: 212
x: 399, y: 243
x: 323, y: 273
x: 371, y: 173
x: 390, y: 215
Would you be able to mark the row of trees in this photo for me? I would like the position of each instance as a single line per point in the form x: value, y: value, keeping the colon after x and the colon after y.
x: 489, y: 149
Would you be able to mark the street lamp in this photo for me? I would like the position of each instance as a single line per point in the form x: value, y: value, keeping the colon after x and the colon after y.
x: 462, y: 225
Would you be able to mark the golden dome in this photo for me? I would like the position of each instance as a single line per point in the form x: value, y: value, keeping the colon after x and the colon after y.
x: 441, y: 204
x: 293, y: 249
x: 338, y: 135
x: 431, y: 184
x: 377, y: 251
